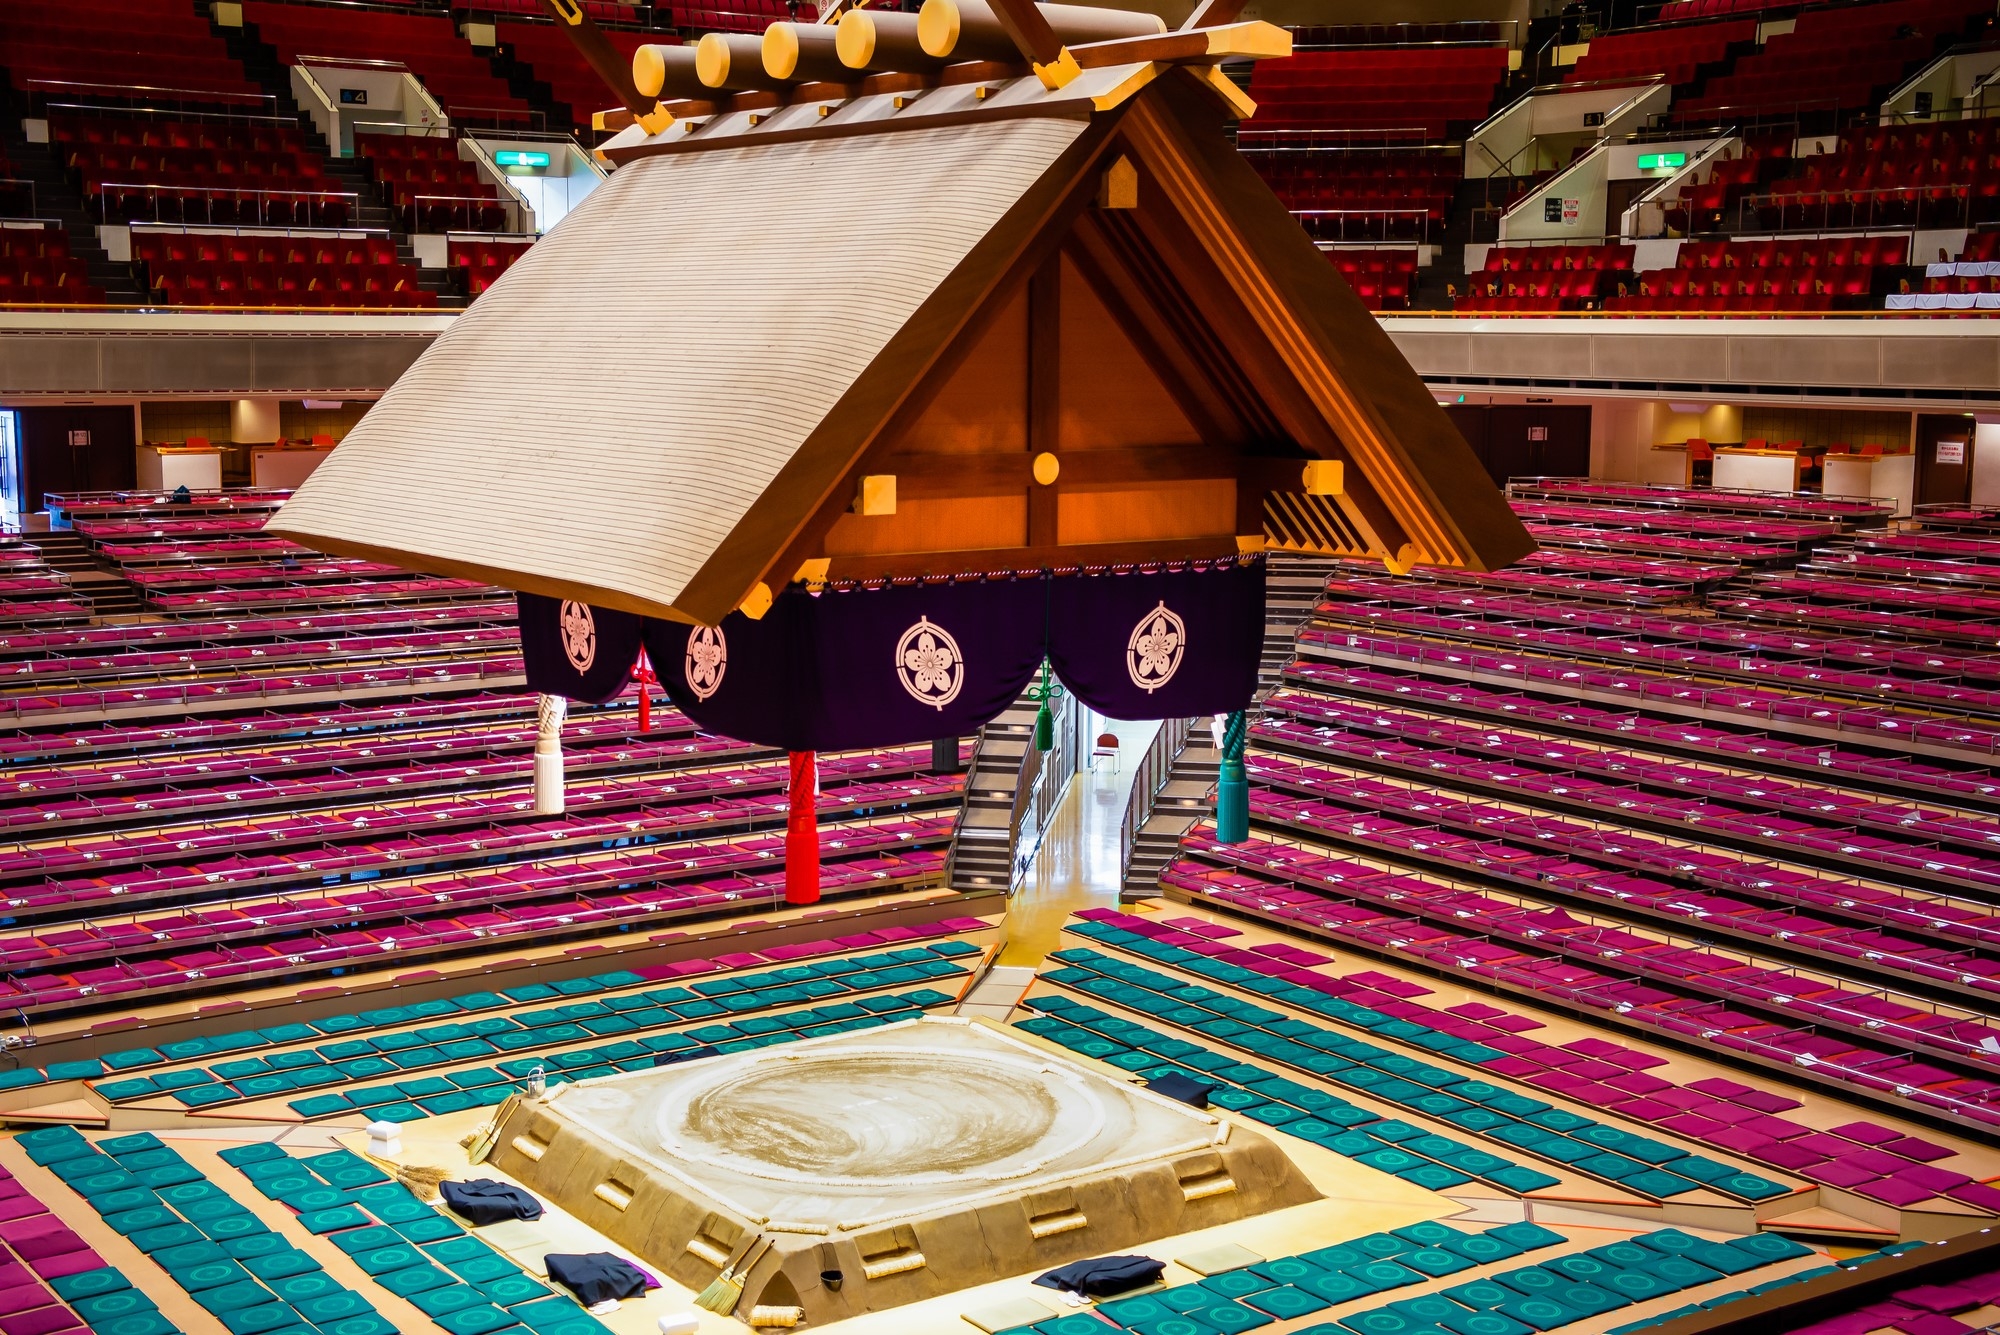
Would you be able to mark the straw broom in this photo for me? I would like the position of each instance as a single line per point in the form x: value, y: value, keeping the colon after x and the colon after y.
x: 726, y: 1289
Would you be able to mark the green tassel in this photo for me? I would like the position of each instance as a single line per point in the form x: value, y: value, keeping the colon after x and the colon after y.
x: 1045, y: 694
x: 1232, y: 789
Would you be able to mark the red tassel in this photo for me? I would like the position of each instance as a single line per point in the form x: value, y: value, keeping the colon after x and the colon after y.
x: 642, y: 673
x: 802, y: 832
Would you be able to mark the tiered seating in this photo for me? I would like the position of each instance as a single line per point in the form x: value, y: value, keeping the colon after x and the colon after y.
x: 1372, y: 1015
x: 1358, y: 195
x: 1805, y: 274
x: 456, y: 76
x: 553, y: 58
x: 1968, y: 282
x: 1676, y: 53
x: 400, y: 1063
x: 49, y: 1276
x: 1834, y: 59
x: 32, y: 592
x: 1706, y: 501
x: 729, y: 15
x: 116, y: 46
x: 1428, y: 91
x: 431, y: 187
x: 1711, y: 205
x: 204, y: 269
x: 482, y: 262
x: 36, y: 268
x: 1927, y: 176
x: 1382, y: 278
x: 1599, y: 577
x: 1548, y: 278
x: 145, y: 167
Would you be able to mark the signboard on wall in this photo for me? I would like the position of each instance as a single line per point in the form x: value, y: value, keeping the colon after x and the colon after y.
x: 1552, y: 210
x: 79, y: 440
x: 1951, y: 452
x: 1572, y: 211
x: 354, y: 97
x: 1538, y: 433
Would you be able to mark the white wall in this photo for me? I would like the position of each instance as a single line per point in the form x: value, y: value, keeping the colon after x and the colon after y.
x: 1986, y: 464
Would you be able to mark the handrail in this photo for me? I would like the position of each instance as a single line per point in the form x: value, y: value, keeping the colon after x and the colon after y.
x: 5, y: 182
x: 227, y: 117
x: 1149, y: 777
x: 524, y: 212
x: 350, y: 62
x: 187, y: 196
x: 129, y: 89
x: 1827, y: 198
x: 1656, y: 197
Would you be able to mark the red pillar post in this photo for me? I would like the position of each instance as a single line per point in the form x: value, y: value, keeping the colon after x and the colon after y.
x: 802, y: 832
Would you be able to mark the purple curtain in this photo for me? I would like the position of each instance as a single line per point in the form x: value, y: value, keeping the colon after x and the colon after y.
x: 1170, y: 644
x: 856, y: 668
x: 573, y: 649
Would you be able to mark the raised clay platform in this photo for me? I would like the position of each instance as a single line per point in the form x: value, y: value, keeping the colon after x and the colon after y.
x: 913, y: 1159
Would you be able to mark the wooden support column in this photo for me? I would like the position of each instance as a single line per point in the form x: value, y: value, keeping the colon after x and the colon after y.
x: 1044, y: 392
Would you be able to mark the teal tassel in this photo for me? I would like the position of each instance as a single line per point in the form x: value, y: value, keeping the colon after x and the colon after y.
x: 1232, y: 789
x: 1046, y: 693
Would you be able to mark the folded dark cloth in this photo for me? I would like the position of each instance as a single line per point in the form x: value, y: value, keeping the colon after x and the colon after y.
x: 1184, y: 1088
x: 484, y: 1201
x: 1102, y: 1276
x: 596, y: 1277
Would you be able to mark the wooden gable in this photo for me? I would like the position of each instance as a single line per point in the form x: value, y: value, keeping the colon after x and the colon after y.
x: 1148, y: 377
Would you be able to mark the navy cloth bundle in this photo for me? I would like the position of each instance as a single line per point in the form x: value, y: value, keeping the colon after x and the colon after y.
x: 1186, y: 1089
x: 1102, y: 1276
x: 596, y: 1277
x: 484, y: 1201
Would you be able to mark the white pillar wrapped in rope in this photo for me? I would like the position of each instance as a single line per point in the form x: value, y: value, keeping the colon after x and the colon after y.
x: 550, y: 711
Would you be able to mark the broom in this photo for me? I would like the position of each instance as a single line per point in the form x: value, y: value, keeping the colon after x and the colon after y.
x: 725, y: 1289
x: 422, y: 1180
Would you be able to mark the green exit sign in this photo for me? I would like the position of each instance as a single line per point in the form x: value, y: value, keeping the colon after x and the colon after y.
x: 516, y: 157
x: 1649, y: 162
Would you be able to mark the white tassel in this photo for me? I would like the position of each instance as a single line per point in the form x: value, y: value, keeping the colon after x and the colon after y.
x: 550, y: 711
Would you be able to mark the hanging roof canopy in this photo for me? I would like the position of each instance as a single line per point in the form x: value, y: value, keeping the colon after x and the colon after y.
x: 928, y: 323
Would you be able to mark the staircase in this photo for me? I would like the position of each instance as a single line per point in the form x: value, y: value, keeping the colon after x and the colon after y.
x: 1292, y: 588
x: 260, y: 62
x: 57, y: 198
x: 90, y: 575
x: 982, y: 850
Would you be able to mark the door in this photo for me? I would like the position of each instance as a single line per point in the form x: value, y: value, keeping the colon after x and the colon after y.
x: 76, y: 448
x: 1944, y: 459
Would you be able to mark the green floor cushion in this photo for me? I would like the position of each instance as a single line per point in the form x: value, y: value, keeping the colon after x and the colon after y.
x: 316, y: 1197
x: 385, y: 1260
x: 333, y: 1306
x: 328, y: 1221
x: 480, y: 1269
x: 512, y: 1290
x: 1286, y: 1302
x: 1237, y: 1283
x: 281, y: 1264
x: 1435, y: 1261
x: 1769, y: 1247
x: 1287, y: 1269
x: 88, y: 1283
x: 1526, y: 1236
x: 1483, y: 1323
x: 477, y: 1320
x: 131, y: 1059
x: 399, y: 1212
x: 1589, y: 1298
x: 414, y: 1279
x: 321, y: 1105
x: 433, y: 1229
x: 108, y: 1306
x: 234, y: 1226
x: 312, y: 1284
x: 139, y: 1323
x: 167, y: 1235
x: 457, y: 1249
x: 372, y: 1323
x: 367, y: 1239
x: 450, y: 1298
x: 254, y: 1245
x: 129, y: 1222
x: 210, y: 1275
x: 1427, y: 1234
x: 1539, y: 1313
x: 190, y: 1254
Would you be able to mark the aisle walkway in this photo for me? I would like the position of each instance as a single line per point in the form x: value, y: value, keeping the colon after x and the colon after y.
x: 1080, y: 861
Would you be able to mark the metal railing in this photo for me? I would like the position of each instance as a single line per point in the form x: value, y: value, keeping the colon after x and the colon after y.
x: 1840, y: 208
x: 201, y: 205
x: 1455, y: 32
x: 1356, y: 225
x: 1149, y: 776
x: 40, y: 90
